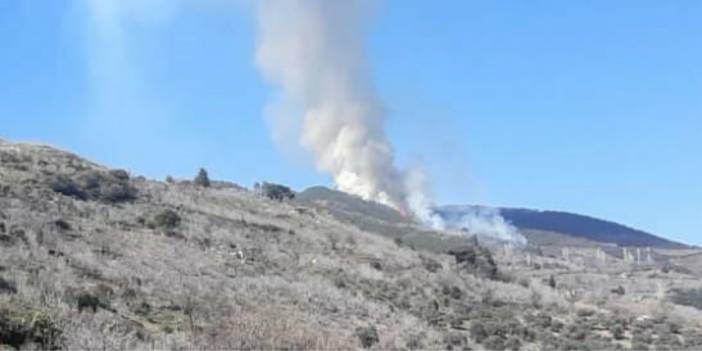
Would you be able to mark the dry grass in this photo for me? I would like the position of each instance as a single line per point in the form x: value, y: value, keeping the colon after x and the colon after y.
x: 272, y: 327
x: 243, y: 272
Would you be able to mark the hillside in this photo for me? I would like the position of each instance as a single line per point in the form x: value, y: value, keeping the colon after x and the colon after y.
x: 96, y: 258
x: 574, y: 225
x: 551, y: 228
x: 378, y: 219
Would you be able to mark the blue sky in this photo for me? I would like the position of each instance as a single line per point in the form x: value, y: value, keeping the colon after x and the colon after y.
x: 593, y: 107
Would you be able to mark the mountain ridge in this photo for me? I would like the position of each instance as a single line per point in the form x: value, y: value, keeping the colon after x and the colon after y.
x: 566, y: 223
x: 573, y: 224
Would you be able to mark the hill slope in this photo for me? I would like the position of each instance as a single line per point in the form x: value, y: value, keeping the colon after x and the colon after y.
x: 377, y: 218
x: 94, y: 258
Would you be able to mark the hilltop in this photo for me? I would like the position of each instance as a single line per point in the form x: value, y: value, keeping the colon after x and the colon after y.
x: 98, y: 258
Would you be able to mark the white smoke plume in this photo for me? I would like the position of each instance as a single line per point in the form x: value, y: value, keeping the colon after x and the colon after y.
x: 419, y: 201
x: 487, y: 221
x: 313, y: 50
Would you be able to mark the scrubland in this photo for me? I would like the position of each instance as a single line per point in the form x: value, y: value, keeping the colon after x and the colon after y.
x: 93, y: 258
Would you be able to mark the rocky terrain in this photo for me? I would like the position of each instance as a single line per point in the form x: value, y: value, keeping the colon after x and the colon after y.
x: 96, y: 258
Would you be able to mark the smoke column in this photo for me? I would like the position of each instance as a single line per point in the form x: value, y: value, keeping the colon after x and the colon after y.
x: 484, y: 222
x: 314, y: 51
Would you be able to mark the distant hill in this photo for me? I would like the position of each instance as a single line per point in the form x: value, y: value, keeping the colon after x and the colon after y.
x: 575, y: 225
x: 553, y: 228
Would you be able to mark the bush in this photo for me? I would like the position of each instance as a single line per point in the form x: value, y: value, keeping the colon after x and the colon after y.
x: 62, y: 225
x: 88, y: 301
x: 674, y: 328
x: 174, y: 234
x: 477, y: 260
x: 275, y: 191
x: 7, y: 287
x: 618, y: 332
x: 119, y: 174
x: 18, y: 329
x: 676, y: 269
x: 619, y: 291
x: 108, y: 187
x: 487, y: 298
x: 687, y: 297
x: 67, y: 186
x: 494, y: 342
x: 513, y: 344
x: 478, y: 332
x: 96, y: 298
x: 368, y: 336
x: 666, y: 341
x: 456, y: 293
x: 16, y: 235
x: 167, y: 219
x: 585, y: 313
x: 464, y: 255
x: 556, y: 326
x: 115, y: 193
x: 455, y: 340
x: 536, y: 299
x: 577, y: 332
x: 552, y: 282
x: 431, y: 265
x: 202, y: 179
x: 542, y: 320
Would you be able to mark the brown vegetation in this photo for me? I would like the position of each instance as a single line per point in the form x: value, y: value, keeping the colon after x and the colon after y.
x: 179, y: 266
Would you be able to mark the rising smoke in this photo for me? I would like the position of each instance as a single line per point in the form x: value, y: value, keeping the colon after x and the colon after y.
x: 481, y: 221
x: 314, y: 51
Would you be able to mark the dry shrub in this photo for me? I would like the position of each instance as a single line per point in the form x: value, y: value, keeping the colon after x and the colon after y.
x: 103, y: 331
x: 22, y: 326
x: 687, y: 297
x: 273, y: 328
x: 108, y: 187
